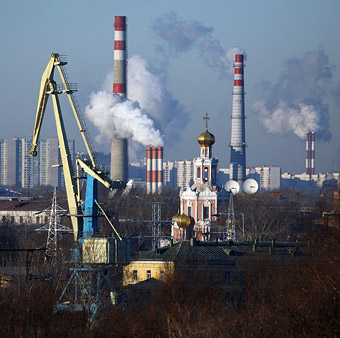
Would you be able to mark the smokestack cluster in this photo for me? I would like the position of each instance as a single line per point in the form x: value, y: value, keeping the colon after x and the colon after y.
x: 154, y: 170
x: 238, y: 142
x: 310, y: 153
x: 119, y: 154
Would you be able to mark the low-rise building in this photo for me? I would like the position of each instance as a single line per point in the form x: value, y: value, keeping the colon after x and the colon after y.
x: 224, y: 259
x: 24, y: 212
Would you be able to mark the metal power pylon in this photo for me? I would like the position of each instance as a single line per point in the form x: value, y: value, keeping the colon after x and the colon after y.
x: 156, y: 224
x: 230, y: 232
x: 54, y: 227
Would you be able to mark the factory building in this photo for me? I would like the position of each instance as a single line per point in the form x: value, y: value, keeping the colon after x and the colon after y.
x: 119, y: 146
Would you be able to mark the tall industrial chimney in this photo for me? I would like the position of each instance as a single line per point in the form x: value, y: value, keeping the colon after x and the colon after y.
x: 154, y: 170
x: 160, y: 170
x: 310, y: 153
x: 238, y: 140
x: 148, y: 170
x: 119, y: 147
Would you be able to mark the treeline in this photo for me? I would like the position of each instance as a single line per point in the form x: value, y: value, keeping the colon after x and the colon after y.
x: 297, y: 297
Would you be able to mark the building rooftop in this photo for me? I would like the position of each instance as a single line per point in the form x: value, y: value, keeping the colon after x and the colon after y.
x: 24, y: 205
x: 196, y: 252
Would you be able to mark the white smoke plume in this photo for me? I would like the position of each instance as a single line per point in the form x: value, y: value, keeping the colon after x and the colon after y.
x: 123, y: 118
x: 147, y: 87
x: 183, y: 35
x: 150, y: 115
x: 284, y: 119
x: 295, y: 103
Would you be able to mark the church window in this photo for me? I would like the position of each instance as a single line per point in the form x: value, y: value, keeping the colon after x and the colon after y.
x: 205, y: 174
x: 189, y: 211
x: 198, y: 172
x: 148, y: 274
x: 205, y: 212
x: 135, y: 276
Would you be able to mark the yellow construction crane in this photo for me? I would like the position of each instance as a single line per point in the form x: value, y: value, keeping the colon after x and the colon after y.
x: 48, y: 88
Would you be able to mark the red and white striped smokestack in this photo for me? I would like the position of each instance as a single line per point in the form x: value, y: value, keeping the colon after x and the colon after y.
x: 312, y: 160
x: 148, y: 170
x: 154, y: 170
x: 310, y: 153
x: 119, y: 147
x: 238, y: 137
x: 160, y: 170
x: 120, y: 56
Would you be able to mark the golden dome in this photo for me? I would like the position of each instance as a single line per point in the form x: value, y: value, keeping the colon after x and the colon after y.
x: 175, y: 218
x: 206, y: 139
x: 183, y: 221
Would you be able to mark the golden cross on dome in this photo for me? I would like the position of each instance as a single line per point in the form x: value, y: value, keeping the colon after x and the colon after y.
x: 206, y: 118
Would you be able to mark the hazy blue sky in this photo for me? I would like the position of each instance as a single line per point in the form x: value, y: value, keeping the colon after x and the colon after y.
x: 293, y: 58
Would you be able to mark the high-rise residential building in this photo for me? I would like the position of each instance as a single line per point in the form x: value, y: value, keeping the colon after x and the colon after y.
x: 50, y: 171
x: 178, y: 174
x: 170, y: 174
x: 10, y: 162
x: 268, y: 177
x: 185, y: 174
x: 30, y: 166
x: 20, y: 170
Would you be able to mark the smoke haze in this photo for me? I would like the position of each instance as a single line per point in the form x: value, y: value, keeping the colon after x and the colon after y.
x: 183, y: 35
x: 295, y: 103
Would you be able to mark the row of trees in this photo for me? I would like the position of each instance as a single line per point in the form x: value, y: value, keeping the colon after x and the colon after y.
x: 298, y: 297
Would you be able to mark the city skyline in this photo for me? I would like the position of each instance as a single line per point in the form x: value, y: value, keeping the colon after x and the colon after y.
x: 280, y: 40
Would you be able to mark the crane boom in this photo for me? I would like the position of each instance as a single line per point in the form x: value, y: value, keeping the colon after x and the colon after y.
x: 48, y: 87
x: 45, y: 87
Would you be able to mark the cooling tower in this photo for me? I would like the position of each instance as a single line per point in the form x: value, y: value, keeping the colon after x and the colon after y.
x: 238, y: 140
x: 119, y: 147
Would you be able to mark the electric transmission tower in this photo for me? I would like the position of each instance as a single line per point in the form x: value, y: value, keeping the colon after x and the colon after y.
x: 54, y: 227
x: 230, y: 233
x: 156, y: 224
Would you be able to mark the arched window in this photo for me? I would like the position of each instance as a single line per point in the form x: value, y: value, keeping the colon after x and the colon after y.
x: 206, y: 176
x: 198, y: 172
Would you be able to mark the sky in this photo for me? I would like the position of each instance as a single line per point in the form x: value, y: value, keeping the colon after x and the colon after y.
x: 179, y: 70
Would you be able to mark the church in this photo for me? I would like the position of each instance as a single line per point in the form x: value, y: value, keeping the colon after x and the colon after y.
x: 200, y: 203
